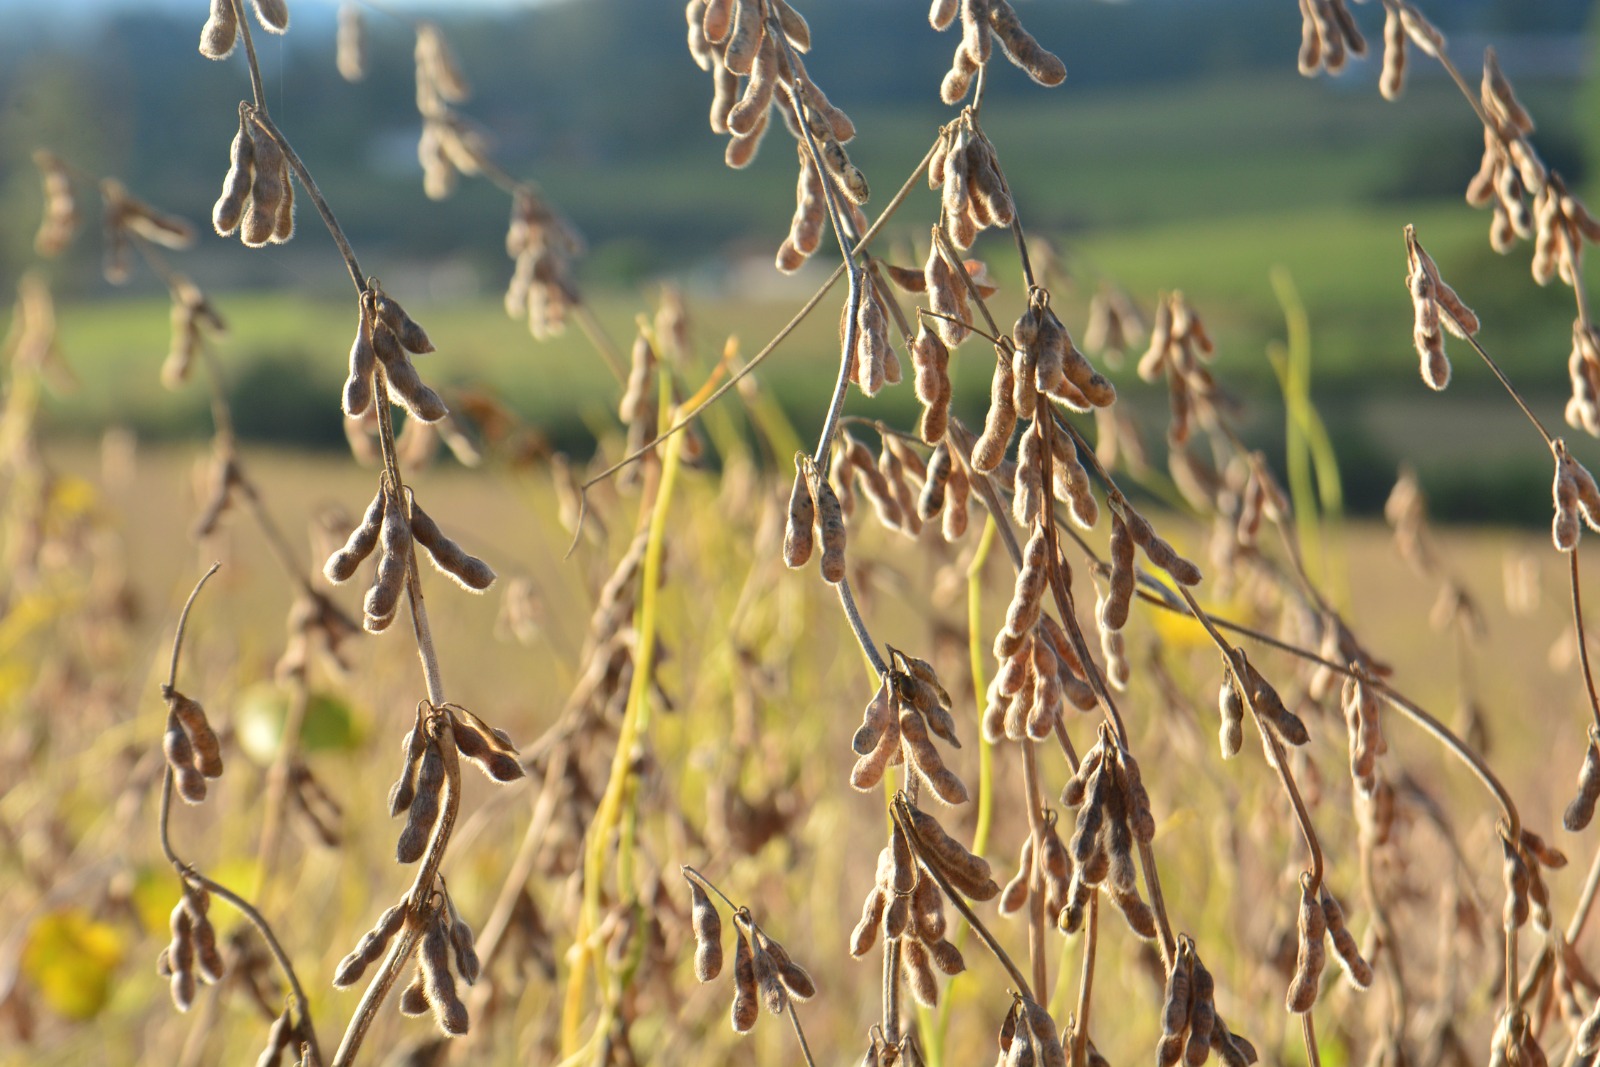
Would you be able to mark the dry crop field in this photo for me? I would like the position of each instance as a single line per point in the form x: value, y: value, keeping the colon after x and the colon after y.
x: 1078, y: 735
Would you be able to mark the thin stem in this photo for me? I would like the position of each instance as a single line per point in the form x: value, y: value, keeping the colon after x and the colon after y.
x: 858, y: 627
x: 1397, y: 700
x: 831, y: 196
x: 609, y: 355
x: 256, y: 89
x: 372, y: 998
x: 954, y: 259
x: 1037, y: 954
x: 928, y: 313
x: 189, y: 874
x: 822, y: 454
x: 1091, y: 940
x: 634, y: 721
x: 1549, y: 441
x: 709, y: 886
x: 183, y: 623
x: 1308, y: 1032
x: 963, y: 439
x: 274, y: 800
x: 1387, y: 940
x: 490, y: 937
x: 258, y: 115
x: 1583, y: 641
x: 891, y: 991
x: 1580, y: 915
x: 799, y: 1033
x: 276, y: 542
x: 975, y: 649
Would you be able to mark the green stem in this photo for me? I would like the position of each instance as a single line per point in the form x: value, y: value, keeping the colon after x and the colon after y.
x: 635, y: 721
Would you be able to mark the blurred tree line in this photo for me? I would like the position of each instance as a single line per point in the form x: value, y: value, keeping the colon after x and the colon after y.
x: 584, y: 96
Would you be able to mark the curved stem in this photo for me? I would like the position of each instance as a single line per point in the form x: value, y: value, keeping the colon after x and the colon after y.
x: 192, y: 876
x: 1397, y: 700
x: 1505, y: 381
x: 189, y: 874
x: 183, y: 623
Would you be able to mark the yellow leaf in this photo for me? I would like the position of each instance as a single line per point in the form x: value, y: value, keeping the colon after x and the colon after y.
x: 155, y: 891
x: 71, y: 957
x: 75, y: 496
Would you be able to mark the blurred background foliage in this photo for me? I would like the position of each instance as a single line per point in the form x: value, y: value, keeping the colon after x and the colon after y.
x: 1183, y: 152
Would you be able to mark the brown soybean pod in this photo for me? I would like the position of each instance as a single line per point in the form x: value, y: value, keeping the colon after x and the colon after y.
x: 990, y: 448
x: 266, y: 190
x: 795, y: 978
x: 440, y: 986
x: 1015, y: 893
x: 746, y: 999
x: 1310, y: 927
x: 771, y: 990
x: 830, y: 526
x: 363, y: 362
x: 967, y: 872
x: 1580, y: 812
x: 283, y: 220
x: 412, y: 337
x: 217, y: 36
x: 341, y: 566
x: 469, y: 571
x: 207, y: 750
x: 759, y: 89
x: 865, y: 934
x: 424, y: 811
x: 229, y: 207
x: 383, y: 598
x: 420, y: 401
x: 1115, y: 615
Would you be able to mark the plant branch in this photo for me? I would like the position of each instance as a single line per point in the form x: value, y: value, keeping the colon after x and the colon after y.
x: 1583, y: 640
x: 188, y: 873
x: 900, y: 811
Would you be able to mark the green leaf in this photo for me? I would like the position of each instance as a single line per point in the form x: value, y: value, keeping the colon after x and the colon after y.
x: 330, y: 725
